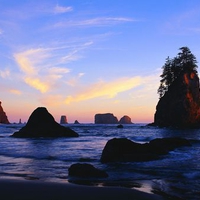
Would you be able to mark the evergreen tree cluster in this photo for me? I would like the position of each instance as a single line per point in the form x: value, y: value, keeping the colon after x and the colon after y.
x: 184, y: 61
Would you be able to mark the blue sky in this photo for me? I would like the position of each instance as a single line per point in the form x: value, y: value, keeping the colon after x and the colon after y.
x: 82, y: 57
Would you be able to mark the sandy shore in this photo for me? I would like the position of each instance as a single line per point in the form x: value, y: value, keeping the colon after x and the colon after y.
x: 29, y: 190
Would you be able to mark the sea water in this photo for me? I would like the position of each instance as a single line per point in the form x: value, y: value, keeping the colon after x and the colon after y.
x: 176, y: 175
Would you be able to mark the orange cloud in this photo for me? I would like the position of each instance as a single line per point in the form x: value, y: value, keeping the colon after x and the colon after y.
x: 17, y: 92
x: 37, y: 84
x: 33, y: 64
x: 105, y: 89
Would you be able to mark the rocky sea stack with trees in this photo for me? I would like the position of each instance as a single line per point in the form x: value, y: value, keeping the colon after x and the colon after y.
x: 179, y: 103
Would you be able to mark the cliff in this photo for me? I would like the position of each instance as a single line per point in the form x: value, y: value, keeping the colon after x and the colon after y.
x: 107, y: 118
x: 3, y: 117
x: 180, y: 106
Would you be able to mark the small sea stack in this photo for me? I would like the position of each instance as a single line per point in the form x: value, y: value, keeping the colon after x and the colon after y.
x: 106, y: 118
x: 63, y: 119
x: 125, y: 120
x: 76, y: 122
x: 42, y: 124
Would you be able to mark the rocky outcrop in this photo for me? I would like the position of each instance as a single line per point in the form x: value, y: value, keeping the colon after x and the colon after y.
x: 107, y: 118
x: 86, y: 171
x: 3, y: 117
x: 63, y: 119
x: 125, y: 120
x: 120, y: 126
x: 180, y: 105
x: 42, y: 124
x: 76, y: 122
x: 125, y: 150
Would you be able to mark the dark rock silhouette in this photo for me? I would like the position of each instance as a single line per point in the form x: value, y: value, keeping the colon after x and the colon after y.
x: 120, y: 126
x: 63, y: 119
x: 125, y: 150
x: 76, y: 122
x: 3, y: 117
x: 180, y: 105
x: 125, y: 120
x: 107, y: 118
x: 86, y: 171
x: 42, y: 124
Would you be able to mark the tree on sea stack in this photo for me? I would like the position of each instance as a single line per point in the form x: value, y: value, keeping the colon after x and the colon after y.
x: 179, y: 103
x: 184, y: 62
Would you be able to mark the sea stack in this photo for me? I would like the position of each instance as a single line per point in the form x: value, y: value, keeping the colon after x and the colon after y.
x: 63, y: 120
x: 125, y: 120
x: 180, y: 105
x: 107, y: 118
x: 76, y: 122
x: 3, y: 117
x: 42, y: 124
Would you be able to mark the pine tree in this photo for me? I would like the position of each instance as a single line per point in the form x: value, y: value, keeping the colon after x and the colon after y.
x: 184, y: 61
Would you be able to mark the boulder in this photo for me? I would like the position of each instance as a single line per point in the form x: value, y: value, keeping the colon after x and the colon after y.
x: 125, y: 150
x: 107, y: 118
x: 86, y: 171
x: 42, y: 124
x: 180, y: 105
x: 125, y: 120
x: 120, y: 126
x: 63, y: 119
x: 3, y: 117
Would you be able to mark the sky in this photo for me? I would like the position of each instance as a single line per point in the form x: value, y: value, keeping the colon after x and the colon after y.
x: 82, y: 57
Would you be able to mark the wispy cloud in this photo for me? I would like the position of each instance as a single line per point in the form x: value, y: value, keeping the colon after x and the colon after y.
x: 73, y: 81
x: 5, y: 73
x: 62, y: 9
x: 14, y: 91
x: 73, y: 54
x: 99, y: 21
x: 184, y: 23
x: 31, y: 64
x: 105, y: 89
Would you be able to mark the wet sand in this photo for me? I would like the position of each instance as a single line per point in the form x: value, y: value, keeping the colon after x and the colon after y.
x: 37, y: 190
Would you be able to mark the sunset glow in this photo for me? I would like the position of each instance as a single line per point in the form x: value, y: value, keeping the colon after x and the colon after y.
x: 80, y: 58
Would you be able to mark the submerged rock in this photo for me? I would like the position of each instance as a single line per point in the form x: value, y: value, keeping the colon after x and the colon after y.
x: 180, y: 105
x: 86, y: 171
x: 125, y: 150
x: 107, y: 118
x: 3, y: 117
x: 120, y: 126
x: 42, y: 124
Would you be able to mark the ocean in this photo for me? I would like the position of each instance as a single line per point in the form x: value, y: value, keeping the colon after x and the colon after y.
x: 175, y: 176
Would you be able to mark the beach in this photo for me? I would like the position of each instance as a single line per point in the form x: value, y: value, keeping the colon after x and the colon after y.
x: 11, y: 189
x: 40, y: 165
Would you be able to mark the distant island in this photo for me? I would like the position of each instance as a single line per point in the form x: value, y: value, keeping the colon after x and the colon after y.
x: 109, y: 118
